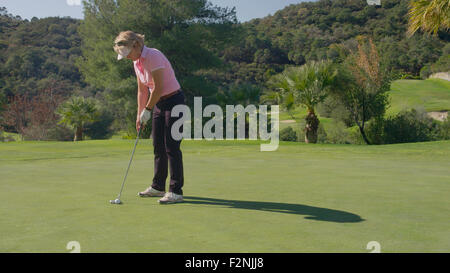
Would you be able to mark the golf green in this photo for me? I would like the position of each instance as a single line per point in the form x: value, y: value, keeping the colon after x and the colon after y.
x: 301, y: 198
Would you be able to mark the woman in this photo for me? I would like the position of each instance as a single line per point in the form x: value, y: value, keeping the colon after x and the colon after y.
x: 158, y: 91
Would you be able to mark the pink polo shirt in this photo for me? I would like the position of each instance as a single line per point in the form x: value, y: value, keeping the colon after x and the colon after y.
x: 152, y: 59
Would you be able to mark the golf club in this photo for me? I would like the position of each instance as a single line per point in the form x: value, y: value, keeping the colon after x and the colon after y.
x: 117, y: 201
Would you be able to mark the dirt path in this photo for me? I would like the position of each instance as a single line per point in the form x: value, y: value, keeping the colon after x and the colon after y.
x: 288, y: 121
x: 441, y: 116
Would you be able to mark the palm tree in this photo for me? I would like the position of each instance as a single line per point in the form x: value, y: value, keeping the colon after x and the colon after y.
x: 306, y: 85
x: 76, y: 112
x: 429, y: 15
x: 239, y: 94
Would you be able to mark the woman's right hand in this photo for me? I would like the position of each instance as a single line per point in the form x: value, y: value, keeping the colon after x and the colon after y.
x: 138, y: 124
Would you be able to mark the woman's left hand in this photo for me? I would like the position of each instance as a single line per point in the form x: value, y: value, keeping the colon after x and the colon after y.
x: 145, y: 116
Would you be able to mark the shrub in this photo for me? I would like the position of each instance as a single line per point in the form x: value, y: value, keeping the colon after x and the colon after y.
x: 408, y: 76
x: 425, y: 72
x: 354, y: 136
x: 101, y: 128
x: 375, y: 131
x: 333, y: 108
x: 444, y: 130
x: 60, y: 133
x: 288, y: 134
x: 321, y: 134
x: 5, y: 138
x: 408, y: 126
x: 337, y: 133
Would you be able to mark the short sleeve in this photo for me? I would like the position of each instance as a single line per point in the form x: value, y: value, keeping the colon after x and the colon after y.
x: 135, y: 69
x: 156, y: 60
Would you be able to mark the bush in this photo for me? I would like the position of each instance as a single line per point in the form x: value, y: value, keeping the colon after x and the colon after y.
x: 59, y: 133
x: 5, y: 138
x: 337, y: 133
x: 321, y: 134
x: 410, y: 126
x: 408, y: 76
x: 132, y: 133
x: 374, y: 130
x: 425, y: 72
x: 100, y: 129
x: 288, y: 134
x: 407, y: 126
x: 441, y: 65
x: 444, y: 130
x: 333, y: 108
x: 355, y: 136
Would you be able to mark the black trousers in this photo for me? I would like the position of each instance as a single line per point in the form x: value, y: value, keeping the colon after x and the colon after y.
x: 167, y: 150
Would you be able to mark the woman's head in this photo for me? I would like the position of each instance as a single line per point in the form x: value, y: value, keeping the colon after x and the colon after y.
x: 129, y: 44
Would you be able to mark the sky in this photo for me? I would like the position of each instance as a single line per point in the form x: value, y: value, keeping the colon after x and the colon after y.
x: 245, y: 9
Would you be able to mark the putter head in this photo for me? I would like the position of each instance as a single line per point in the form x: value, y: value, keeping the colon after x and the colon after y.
x: 115, y: 202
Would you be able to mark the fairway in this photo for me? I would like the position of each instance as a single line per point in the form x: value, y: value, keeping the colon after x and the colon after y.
x: 431, y: 94
x: 301, y: 198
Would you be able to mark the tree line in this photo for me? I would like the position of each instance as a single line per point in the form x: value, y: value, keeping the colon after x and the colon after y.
x: 214, y: 56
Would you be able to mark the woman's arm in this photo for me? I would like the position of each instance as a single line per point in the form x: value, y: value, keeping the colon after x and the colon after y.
x: 156, y: 93
x: 142, y: 97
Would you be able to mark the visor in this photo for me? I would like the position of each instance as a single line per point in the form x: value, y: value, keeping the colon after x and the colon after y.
x: 123, y: 53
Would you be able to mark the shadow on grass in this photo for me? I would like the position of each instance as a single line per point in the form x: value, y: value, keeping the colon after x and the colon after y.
x: 312, y: 213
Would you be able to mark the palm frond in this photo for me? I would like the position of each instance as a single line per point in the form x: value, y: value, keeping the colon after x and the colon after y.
x: 306, y: 85
x: 429, y: 16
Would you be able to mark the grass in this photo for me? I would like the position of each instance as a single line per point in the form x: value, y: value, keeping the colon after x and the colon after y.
x: 301, y: 198
x: 431, y: 94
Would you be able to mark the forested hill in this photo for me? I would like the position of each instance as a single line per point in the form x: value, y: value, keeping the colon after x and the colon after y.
x: 38, y: 54
x: 309, y: 30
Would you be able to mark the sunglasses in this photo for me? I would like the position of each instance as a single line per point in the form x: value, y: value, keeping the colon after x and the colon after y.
x: 121, y: 43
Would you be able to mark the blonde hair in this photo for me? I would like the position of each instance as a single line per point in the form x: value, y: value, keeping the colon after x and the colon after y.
x: 128, y: 39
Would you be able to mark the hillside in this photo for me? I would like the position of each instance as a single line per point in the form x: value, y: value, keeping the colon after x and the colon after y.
x: 433, y: 95
x: 38, y: 54
x: 310, y: 30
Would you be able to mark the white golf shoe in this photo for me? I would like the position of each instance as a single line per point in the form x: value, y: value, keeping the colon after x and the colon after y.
x: 151, y: 192
x: 171, y: 198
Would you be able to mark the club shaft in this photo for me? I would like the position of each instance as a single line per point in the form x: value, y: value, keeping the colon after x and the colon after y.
x: 129, y: 164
